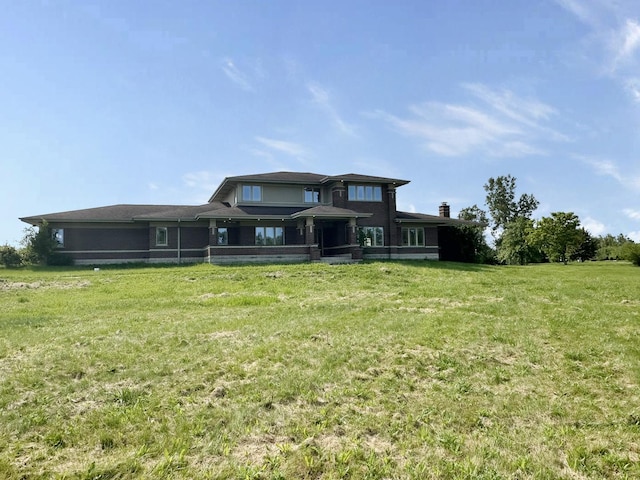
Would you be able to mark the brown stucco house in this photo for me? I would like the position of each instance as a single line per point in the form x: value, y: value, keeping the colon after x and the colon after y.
x: 270, y: 217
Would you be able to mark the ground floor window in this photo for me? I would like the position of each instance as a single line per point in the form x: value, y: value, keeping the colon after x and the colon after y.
x: 371, y: 236
x: 269, y: 236
x: 413, y: 237
x: 58, y: 236
x: 162, y: 237
x: 223, y: 236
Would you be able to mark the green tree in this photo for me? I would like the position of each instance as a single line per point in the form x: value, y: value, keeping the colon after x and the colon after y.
x: 587, y: 248
x: 631, y: 252
x: 39, y: 244
x: 516, y: 245
x: 502, y: 204
x: 558, y: 235
x: 477, y: 249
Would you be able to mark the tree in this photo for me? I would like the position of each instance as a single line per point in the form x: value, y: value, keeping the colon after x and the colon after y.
x: 502, y: 205
x: 631, y: 252
x: 39, y: 244
x: 558, y: 235
x: 473, y: 236
x: 516, y: 244
x: 587, y: 247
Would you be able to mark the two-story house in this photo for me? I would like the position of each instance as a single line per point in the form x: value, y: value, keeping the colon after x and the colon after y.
x: 270, y: 217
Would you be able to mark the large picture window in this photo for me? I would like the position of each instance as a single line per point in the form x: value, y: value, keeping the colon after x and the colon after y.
x: 413, y: 237
x: 269, y: 236
x: 371, y: 236
x: 162, y: 237
x: 252, y: 193
x: 365, y: 193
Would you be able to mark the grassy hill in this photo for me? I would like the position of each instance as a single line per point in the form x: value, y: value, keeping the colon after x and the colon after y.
x: 377, y: 370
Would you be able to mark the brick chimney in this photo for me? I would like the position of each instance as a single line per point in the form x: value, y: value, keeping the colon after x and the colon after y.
x: 445, y: 210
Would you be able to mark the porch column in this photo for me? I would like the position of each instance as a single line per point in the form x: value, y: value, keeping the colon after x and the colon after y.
x: 213, y: 232
x: 393, y: 231
x: 308, y: 231
x: 353, y: 232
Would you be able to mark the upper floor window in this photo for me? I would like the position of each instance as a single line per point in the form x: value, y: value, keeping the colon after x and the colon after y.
x: 311, y: 195
x: 365, y: 193
x: 252, y: 193
x: 162, y: 237
x: 413, y: 237
x: 58, y: 236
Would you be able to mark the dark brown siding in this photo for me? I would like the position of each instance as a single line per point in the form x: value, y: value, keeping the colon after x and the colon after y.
x: 80, y: 238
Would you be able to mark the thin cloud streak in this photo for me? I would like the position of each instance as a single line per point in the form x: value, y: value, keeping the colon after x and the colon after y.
x: 282, y: 146
x: 507, y: 126
x: 608, y: 168
x: 236, y: 76
x: 320, y: 97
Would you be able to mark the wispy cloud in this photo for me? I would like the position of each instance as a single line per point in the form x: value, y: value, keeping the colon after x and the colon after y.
x: 321, y: 98
x: 505, y: 125
x: 633, y: 214
x: 289, y: 148
x: 236, y: 76
x: 614, y: 38
x: 608, y: 168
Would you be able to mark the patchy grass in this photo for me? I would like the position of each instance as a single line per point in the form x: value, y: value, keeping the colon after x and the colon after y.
x: 378, y: 370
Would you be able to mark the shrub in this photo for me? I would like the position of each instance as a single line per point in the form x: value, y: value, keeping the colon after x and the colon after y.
x: 631, y: 252
x: 10, y: 257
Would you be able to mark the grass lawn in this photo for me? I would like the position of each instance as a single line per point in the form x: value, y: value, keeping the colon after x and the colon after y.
x: 378, y: 370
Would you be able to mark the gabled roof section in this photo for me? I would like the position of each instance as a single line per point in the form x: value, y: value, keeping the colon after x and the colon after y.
x: 302, y: 178
x: 327, y: 211
x: 354, y: 177
x: 422, y: 218
x: 112, y: 213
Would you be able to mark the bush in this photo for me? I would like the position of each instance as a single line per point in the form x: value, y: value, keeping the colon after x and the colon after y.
x: 59, y: 260
x: 10, y: 257
x: 631, y: 252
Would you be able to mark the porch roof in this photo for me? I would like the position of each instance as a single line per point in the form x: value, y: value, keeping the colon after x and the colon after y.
x: 327, y: 211
x: 423, y: 218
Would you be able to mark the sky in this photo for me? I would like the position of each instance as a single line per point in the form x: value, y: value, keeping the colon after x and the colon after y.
x: 155, y: 102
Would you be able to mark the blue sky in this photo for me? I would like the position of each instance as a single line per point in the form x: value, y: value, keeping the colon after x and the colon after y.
x: 156, y: 102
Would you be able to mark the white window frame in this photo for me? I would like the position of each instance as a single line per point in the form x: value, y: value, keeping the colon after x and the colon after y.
x: 159, y: 237
x: 413, y: 237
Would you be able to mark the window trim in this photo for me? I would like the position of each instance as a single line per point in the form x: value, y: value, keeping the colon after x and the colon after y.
x: 159, y: 242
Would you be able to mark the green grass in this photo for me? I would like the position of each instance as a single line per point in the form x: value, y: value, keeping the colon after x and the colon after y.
x: 378, y: 370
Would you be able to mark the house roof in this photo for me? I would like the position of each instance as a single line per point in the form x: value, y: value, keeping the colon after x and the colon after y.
x: 112, y: 213
x: 327, y: 211
x: 407, y: 217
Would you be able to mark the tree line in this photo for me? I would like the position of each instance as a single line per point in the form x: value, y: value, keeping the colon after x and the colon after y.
x: 519, y: 239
